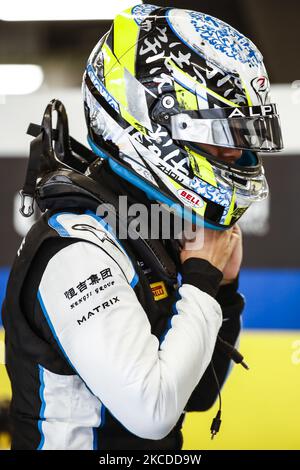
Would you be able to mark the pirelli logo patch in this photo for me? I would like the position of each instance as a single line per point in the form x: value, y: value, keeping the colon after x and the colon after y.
x: 159, y: 290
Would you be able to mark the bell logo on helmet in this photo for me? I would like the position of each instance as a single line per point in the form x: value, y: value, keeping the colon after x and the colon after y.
x: 189, y: 198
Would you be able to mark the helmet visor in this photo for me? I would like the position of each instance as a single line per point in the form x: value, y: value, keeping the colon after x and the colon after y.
x: 257, y: 133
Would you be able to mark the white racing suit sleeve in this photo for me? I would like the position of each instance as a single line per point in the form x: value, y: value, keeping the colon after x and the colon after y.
x: 88, y: 299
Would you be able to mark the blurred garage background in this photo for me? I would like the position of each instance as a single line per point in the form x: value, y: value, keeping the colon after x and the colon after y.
x: 48, y: 44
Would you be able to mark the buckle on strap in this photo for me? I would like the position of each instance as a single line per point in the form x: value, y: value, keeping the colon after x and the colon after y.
x: 27, y: 201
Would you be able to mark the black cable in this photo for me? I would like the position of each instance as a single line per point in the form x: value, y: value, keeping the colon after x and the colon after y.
x: 231, y: 352
x: 237, y: 357
x: 216, y: 422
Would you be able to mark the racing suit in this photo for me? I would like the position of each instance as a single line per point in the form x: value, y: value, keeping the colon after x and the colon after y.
x: 101, y: 353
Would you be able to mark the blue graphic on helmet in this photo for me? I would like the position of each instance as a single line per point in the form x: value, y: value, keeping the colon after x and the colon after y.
x: 225, y: 39
x: 140, y: 12
x: 218, y: 195
x: 101, y: 88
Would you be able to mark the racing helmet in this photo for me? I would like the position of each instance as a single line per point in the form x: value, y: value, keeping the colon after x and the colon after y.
x: 164, y: 85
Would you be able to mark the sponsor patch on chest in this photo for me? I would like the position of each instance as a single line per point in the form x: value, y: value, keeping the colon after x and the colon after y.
x: 159, y: 290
